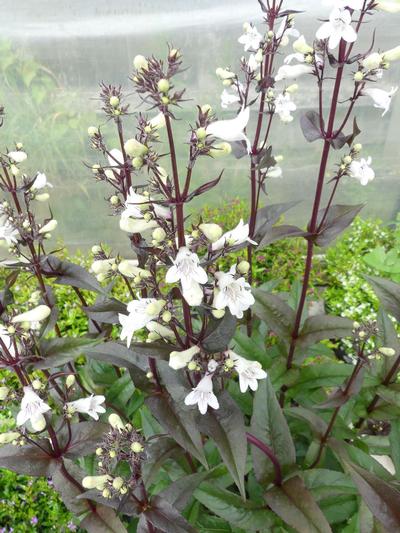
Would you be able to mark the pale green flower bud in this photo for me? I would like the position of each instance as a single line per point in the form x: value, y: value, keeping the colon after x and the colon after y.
x: 7, y: 438
x: 99, y: 451
x: 117, y: 483
x: 134, y: 148
x: 192, y: 365
x: 347, y: 159
x: 155, y: 307
x: 357, y: 147
x: 41, y: 312
x: 358, y: 76
x: 206, y: 108
x: 224, y: 74
x: 163, y: 85
x: 229, y: 363
x: 166, y: 316
x: 159, y: 234
x: 220, y: 149
x: 114, y: 101
x: 136, y: 447
x: 114, y: 200
x: 227, y: 83
x: 42, y: 197
x: 212, y: 231
x: 92, y: 131
x: 292, y: 88
x: 301, y: 46
x: 140, y: 63
x: 149, y: 375
x: 70, y: 381
x: 115, y: 422
x: 201, y: 133
x: 106, y: 493
x: 243, y: 267
x: 4, y: 392
x: 393, y: 54
x: 218, y: 313
x: 37, y: 384
x: 39, y: 423
x: 389, y: 352
x: 137, y: 162
x: 372, y: 61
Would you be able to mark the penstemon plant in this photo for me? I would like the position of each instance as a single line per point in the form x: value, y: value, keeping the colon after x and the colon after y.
x: 204, y: 403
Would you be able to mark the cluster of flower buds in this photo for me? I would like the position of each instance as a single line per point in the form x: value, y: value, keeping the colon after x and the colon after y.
x: 122, y: 444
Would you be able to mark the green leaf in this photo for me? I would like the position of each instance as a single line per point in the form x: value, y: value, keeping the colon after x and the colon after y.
x: 67, y: 273
x: 212, y: 524
x: 390, y: 394
x: 165, y: 517
x: 268, y: 424
x: 275, y: 313
x: 296, y: 506
x: 29, y: 460
x: 268, y: 216
x: 394, y: 439
x: 388, y: 293
x: 105, y: 310
x: 219, y: 333
x: 67, y: 489
x: 179, y: 423
x: 226, y: 427
x: 339, y: 217
x: 310, y: 123
x: 179, y: 492
x: 277, y: 233
x: 322, y: 327
x: 318, y: 425
x: 158, y: 451
x: 59, y: 351
x: 230, y: 507
x: 381, y: 497
x: 324, y: 483
x: 103, y: 520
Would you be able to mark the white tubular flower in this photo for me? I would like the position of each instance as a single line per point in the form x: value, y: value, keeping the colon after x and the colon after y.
x: 116, y: 422
x: 372, y: 61
x: 18, y: 156
x: 95, y: 482
x: 129, y: 268
x: 232, y: 293
x: 249, y: 371
x: 179, y: 360
x: 115, y: 160
x: 49, y: 226
x: 339, y: 27
x: 158, y: 121
x: 37, y: 314
x: 135, y: 225
x: 340, y: 4
x: 8, y: 233
x: 137, y: 204
x: 290, y: 72
x: 4, y: 392
x: 297, y: 56
x: 159, y: 330
x: 391, y: 55
x: 232, y: 130
x: 284, y: 107
x: 212, y: 231
x: 224, y: 74
x: 382, y: 99
x: 301, y: 46
x: 203, y: 395
x: 274, y: 172
x: 134, y: 148
x: 89, y: 406
x: 186, y: 269
x: 251, y: 38
x: 362, y: 171
x: 252, y: 63
x: 103, y: 266
x: 40, y: 182
x: 390, y: 6
x: 7, y: 341
x: 32, y: 409
x: 141, y: 312
x: 234, y: 237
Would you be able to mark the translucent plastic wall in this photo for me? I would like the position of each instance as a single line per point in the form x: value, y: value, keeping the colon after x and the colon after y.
x: 53, y: 54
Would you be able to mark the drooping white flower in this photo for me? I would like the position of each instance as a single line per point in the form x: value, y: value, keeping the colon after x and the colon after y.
x: 252, y: 63
x: 7, y: 341
x: 274, y: 172
x: 296, y: 56
x: 301, y: 46
x: 249, y: 371
x: 137, y: 204
x: 18, y: 156
x: 103, y: 266
x: 180, y: 359
x: 362, y: 171
x: 37, y: 314
x: 382, y: 99
x: 159, y: 331
x: 340, y: 4
x: 140, y: 313
x: 186, y: 269
x: 284, y: 107
x: 90, y: 406
x: 251, y: 38
x: 283, y: 33
x: 234, y: 237
x: 8, y: 232
x: 228, y: 98
x: 40, y: 182
x: 232, y: 130
x: 203, y: 395
x: 290, y: 72
x: 338, y: 27
x: 391, y: 55
x: 232, y: 293
x: 32, y: 409
x: 49, y: 226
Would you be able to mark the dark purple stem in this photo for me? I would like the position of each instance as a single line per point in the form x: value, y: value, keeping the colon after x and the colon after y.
x: 269, y: 453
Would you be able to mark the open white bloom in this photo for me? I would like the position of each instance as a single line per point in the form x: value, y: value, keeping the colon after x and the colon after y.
x: 251, y: 38
x: 234, y: 237
x: 340, y: 4
x: 41, y: 312
x: 8, y: 233
x: 140, y: 313
x: 18, y: 156
x: 179, y: 360
x: 40, y: 182
x: 232, y: 130
x: 203, y: 395
x: 49, y: 226
x: 232, y: 293
x: 90, y: 406
x: 32, y: 409
x: 290, y: 72
x: 362, y: 171
x: 382, y: 99
x: 249, y: 371
x: 338, y: 27
x: 186, y: 269
x: 228, y: 98
x: 284, y: 107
